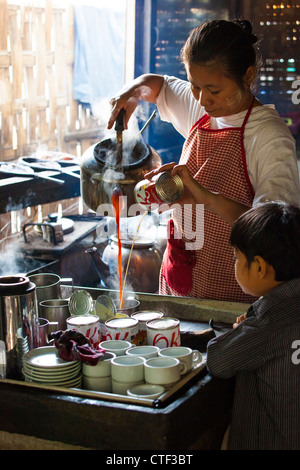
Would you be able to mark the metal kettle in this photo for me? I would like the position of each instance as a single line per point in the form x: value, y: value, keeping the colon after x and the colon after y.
x: 19, y: 330
x: 116, y: 161
x: 144, y: 265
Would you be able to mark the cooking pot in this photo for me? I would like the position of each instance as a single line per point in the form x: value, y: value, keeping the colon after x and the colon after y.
x: 115, y: 161
x: 144, y: 266
x: 18, y: 323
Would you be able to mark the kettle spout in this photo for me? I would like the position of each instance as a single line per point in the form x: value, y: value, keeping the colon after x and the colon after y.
x: 101, y: 267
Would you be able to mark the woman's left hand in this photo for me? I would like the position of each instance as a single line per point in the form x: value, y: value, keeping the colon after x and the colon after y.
x: 165, y: 167
x: 187, y: 179
x: 194, y: 193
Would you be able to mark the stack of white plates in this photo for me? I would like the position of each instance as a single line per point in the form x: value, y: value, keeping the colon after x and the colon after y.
x: 44, y: 366
x: 22, y: 348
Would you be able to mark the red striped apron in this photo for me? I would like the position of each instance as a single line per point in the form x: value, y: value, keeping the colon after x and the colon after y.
x: 216, y: 159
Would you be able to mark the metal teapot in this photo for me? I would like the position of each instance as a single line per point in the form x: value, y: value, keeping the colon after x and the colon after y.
x: 143, y: 269
x: 115, y: 161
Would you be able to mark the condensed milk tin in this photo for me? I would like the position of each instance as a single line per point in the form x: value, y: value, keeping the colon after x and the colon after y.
x: 125, y: 329
x: 163, y: 188
x: 88, y: 325
x: 143, y: 318
x: 163, y: 332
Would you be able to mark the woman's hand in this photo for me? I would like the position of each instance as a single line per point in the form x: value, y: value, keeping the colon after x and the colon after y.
x: 192, y: 189
x: 126, y: 101
x: 146, y: 88
x: 194, y: 193
x: 165, y: 167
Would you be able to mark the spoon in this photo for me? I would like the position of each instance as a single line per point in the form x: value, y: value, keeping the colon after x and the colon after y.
x: 148, y: 122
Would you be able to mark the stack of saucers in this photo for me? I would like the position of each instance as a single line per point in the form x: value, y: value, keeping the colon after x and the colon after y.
x: 44, y: 366
x: 22, y: 348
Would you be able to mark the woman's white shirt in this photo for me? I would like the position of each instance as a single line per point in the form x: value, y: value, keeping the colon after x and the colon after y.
x: 269, y: 146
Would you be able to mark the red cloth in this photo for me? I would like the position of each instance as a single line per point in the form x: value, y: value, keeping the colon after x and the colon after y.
x: 74, y: 346
x: 179, y: 263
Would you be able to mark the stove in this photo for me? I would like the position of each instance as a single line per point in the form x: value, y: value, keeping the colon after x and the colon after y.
x: 69, y: 259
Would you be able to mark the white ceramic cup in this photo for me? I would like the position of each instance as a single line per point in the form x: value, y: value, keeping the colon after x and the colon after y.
x: 99, y: 384
x: 127, y: 369
x: 143, y: 351
x: 121, y: 387
x: 116, y: 346
x: 163, y: 370
x: 101, y: 369
x: 150, y: 391
x: 190, y: 357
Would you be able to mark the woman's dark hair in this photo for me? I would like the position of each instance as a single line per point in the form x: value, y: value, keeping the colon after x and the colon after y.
x: 229, y: 43
x: 272, y: 231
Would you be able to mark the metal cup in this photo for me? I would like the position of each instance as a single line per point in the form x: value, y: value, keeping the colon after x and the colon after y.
x: 129, y: 306
x: 48, y: 286
x: 44, y: 332
x: 56, y: 311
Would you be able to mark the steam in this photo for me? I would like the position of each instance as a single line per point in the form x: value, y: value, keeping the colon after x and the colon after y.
x: 13, y: 262
x: 12, y: 257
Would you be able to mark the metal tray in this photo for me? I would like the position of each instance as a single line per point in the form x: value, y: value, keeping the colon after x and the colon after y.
x: 168, y: 396
x: 161, y: 401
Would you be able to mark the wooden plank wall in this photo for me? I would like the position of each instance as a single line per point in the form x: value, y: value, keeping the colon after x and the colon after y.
x: 37, y: 110
x: 36, y: 59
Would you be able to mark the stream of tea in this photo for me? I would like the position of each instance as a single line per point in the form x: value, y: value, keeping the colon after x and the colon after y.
x: 118, y: 206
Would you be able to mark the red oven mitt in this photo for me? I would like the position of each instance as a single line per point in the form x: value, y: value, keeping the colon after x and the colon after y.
x: 178, y: 264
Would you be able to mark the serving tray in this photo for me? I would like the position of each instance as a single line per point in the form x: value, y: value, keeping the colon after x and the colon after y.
x: 164, y: 399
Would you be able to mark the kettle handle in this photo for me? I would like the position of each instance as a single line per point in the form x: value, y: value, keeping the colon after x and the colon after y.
x: 43, y: 224
x: 119, y: 126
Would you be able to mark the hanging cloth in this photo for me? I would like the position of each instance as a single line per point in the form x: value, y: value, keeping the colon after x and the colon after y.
x: 99, y: 45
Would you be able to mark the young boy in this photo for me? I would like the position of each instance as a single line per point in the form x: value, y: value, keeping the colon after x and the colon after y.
x: 263, y: 349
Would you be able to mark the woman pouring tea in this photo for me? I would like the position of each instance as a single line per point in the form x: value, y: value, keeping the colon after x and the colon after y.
x: 237, y: 153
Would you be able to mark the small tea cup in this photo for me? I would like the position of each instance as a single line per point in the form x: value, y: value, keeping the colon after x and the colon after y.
x: 150, y: 391
x: 163, y: 370
x: 127, y: 369
x: 121, y: 387
x: 190, y: 357
x: 101, y: 369
x: 116, y: 346
x: 143, y: 351
x: 99, y: 384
